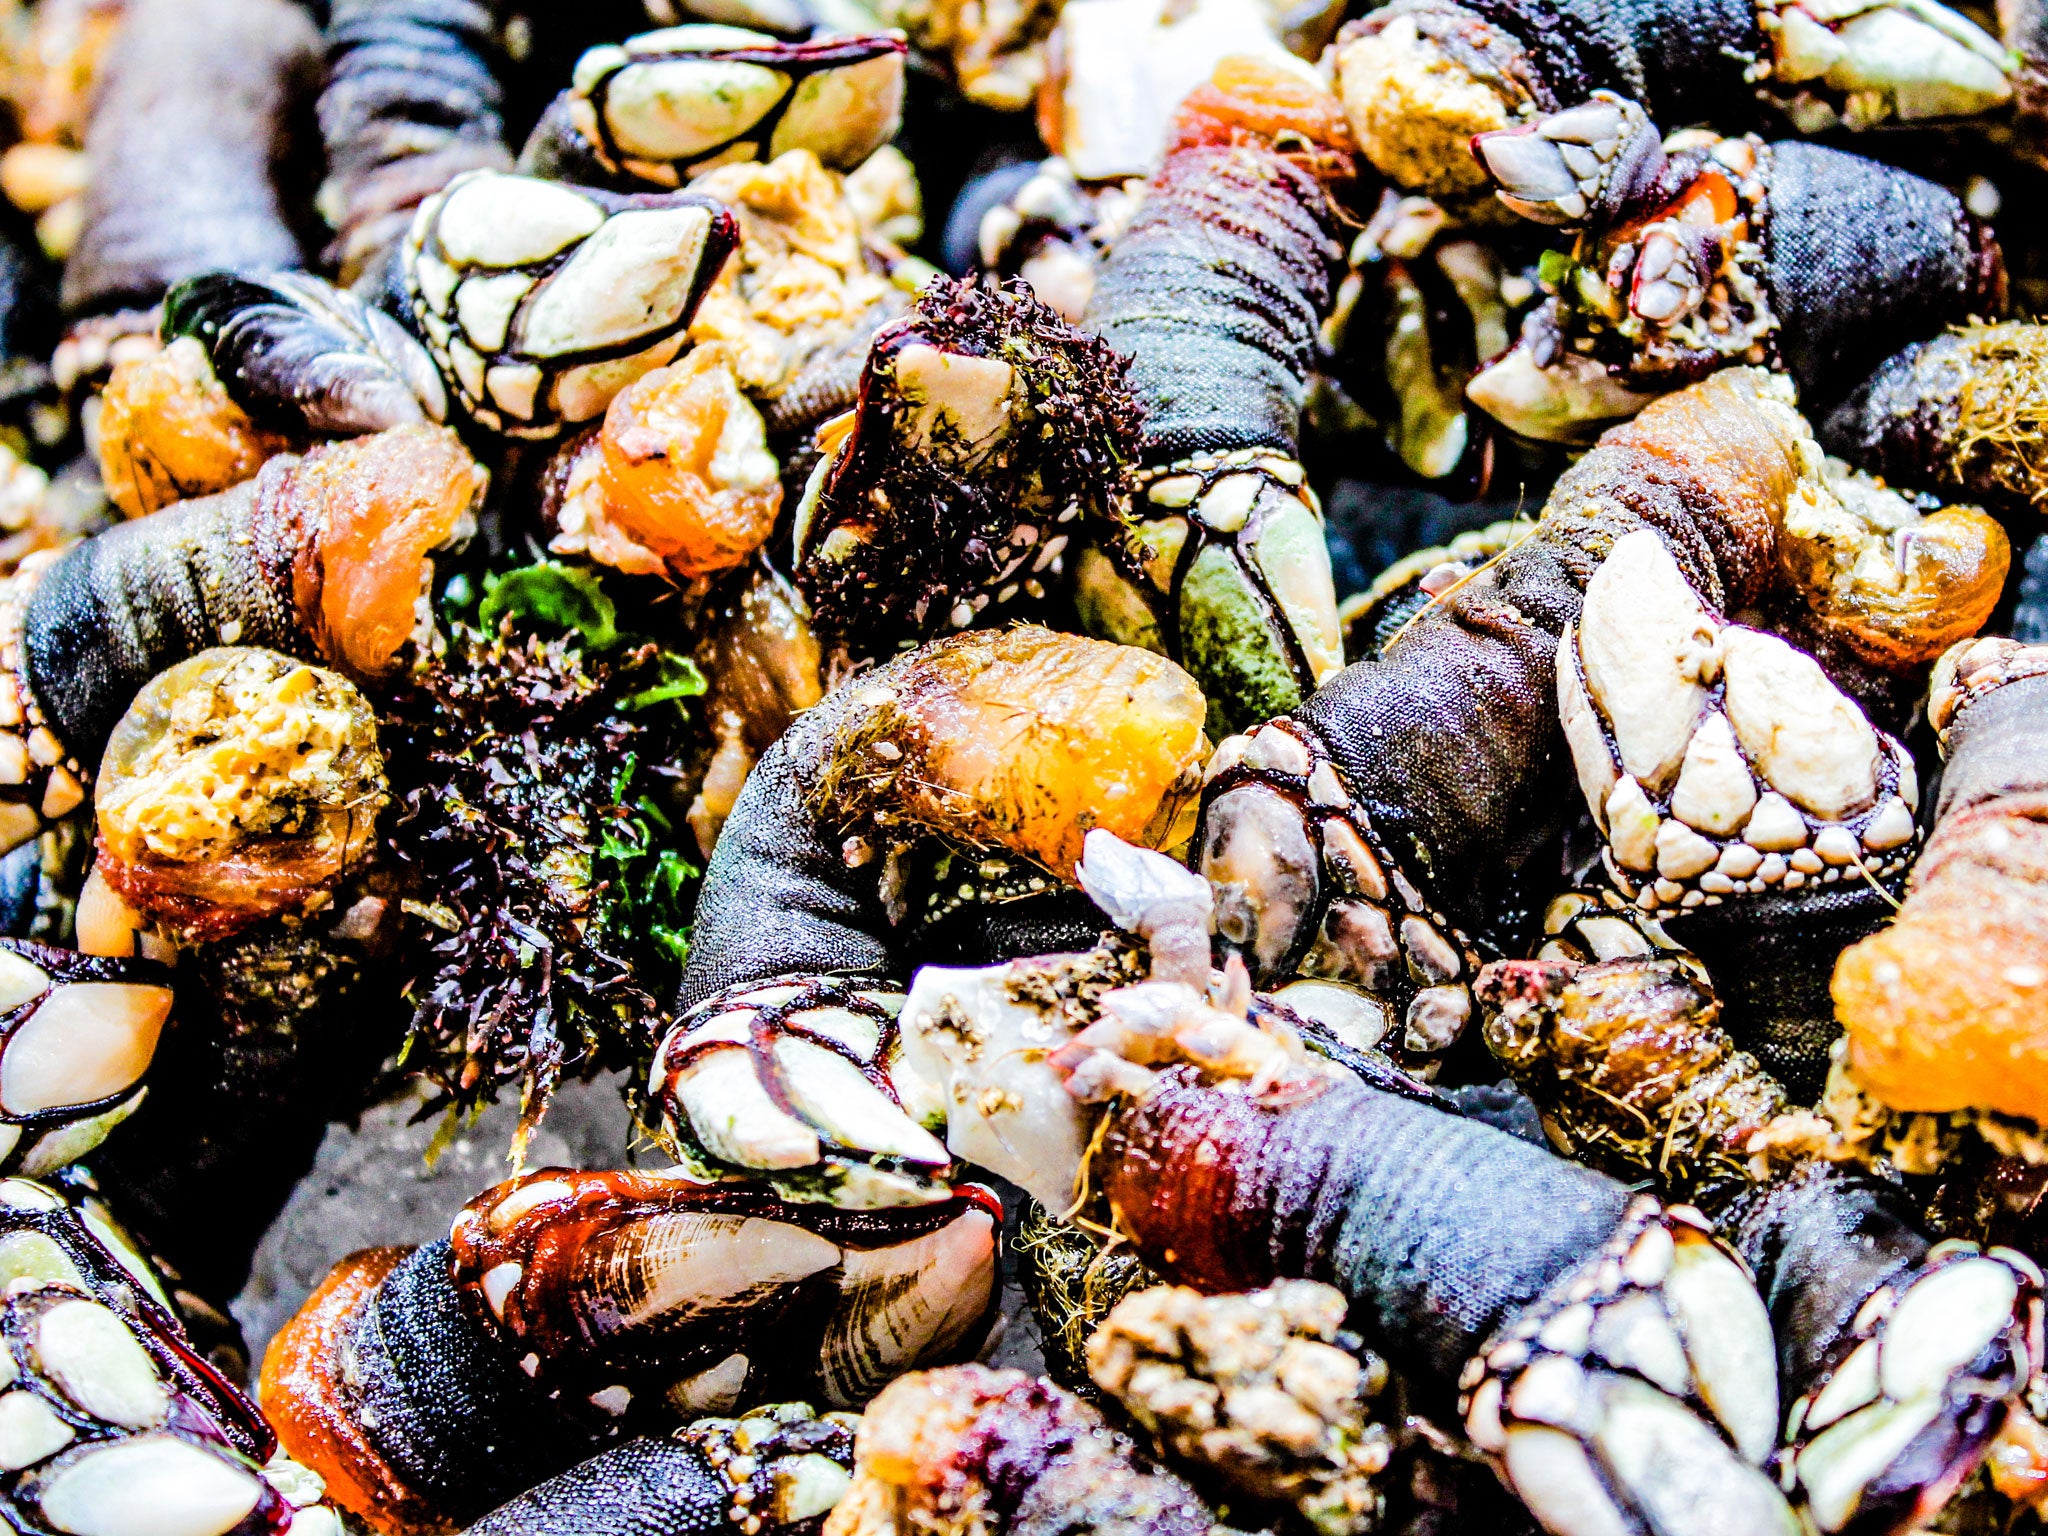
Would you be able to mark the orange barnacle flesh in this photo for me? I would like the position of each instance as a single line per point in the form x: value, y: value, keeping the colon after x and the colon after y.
x: 1947, y: 1009
x: 304, y: 1397
x: 168, y: 431
x: 1247, y: 98
x: 1896, y: 587
x: 378, y: 507
x: 1023, y: 739
x: 687, y: 471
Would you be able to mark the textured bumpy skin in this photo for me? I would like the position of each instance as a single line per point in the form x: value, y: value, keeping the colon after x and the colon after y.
x: 1215, y: 292
x: 119, y: 608
x: 1449, y: 738
x: 1772, y: 961
x: 778, y: 897
x: 412, y: 100
x: 1858, y: 254
x: 646, y: 1487
x: 1683, y: 59
x: 458, y: 1421
x: 1437, y: 1228
x: 1820, y: 1242
x: 188, y: 131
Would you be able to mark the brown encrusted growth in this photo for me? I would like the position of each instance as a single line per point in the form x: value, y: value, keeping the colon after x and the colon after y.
x: 933, y: 510
x: 1629, y: 1064
x: 1257, y: 1390
x: 970, y: 1451
x: 1965, y: 411
x: 1072, y: 1282
x: 511, y: 757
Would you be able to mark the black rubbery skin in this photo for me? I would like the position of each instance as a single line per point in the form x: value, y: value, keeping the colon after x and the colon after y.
x: 189, y: 128
x: 1859, y: 256
x: 778, y: 897
x: 645, y: 1487
x: 118, y: 608
x: 1437, y: 1227
x: 459, y: 1422
x: 1820, y: 1242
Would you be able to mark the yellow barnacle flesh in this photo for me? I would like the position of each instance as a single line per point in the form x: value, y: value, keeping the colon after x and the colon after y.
x: 1026, y: 740
x: 239, y: 779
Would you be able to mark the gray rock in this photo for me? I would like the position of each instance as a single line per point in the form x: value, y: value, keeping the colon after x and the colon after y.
x: 371, y: 1186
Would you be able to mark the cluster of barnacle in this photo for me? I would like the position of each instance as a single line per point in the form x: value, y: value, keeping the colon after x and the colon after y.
x: 514, y: 567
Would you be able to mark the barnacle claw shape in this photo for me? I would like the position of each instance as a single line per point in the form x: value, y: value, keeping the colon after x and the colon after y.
x: 662, y: 103
x: 1573, y: 167
x: 1641, y: 1392
x: 77, y: 1035
x: 110, y: 1422
x: 1718, y: 761
x: 626, y: 1285
x: 1919, y: 1387
x: 1224, y: 566
x: 300, y: 355
x: 540, y: 301
x: 1307, y: 890
x: 796, y: 1083
x: 1889, y: 59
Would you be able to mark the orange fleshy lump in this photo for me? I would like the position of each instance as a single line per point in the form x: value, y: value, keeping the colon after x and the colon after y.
x: 1947, y: 1009
x: 1023, y: 739
x: 1897, y: 596
x: 687, y: 472
x: 1253, y: 98
x: 377, y: 506
x: 168, y: 432
x: 304, y: 1400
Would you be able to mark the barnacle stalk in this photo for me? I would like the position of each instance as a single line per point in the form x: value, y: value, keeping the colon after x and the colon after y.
x: 1607, y: 1351
x: 663, y: 105
x: 539, y: 301
x: 1223, y: 564
x: 776, y: 1467
x: 1941, y: 1008
x: 411, y: 101
x: 190, y: 123
x: 568, y: 1307
x: 326, y: 557
x: 988, y: 436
